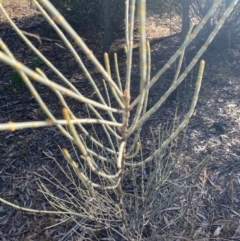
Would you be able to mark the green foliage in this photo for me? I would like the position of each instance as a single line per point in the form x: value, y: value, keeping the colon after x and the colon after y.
x: 24, y: 150
x: 15, y: 80
x: 36, y: 61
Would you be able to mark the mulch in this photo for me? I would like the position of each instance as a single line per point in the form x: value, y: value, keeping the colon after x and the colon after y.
x: 23, y: 153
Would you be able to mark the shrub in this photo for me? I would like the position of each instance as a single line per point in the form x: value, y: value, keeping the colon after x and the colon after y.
x: 230, y: 30
x: 113, y: 184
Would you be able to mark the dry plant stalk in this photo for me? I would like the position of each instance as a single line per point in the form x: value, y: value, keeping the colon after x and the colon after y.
x: 101, y: 169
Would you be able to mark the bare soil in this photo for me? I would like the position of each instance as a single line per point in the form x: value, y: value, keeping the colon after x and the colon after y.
x: 213, y: 131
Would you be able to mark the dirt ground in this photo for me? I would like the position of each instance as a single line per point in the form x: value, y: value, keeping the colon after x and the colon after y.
x: 213, y: 131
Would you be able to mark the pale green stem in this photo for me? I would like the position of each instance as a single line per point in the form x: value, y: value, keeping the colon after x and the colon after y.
x: 179, y: 51
x: 137, y: 149
x: 91, y: 138
x: 38, y: 53
x: 78, y: 59
x: 187, y: 70
x: 130, y: 46
x: 107, y: 65
x: 91, y: 164
x: 182, y: 56
x: 52, y: 85
x: 126, y: 23
x: 76, y: 56
x: 109, y: 104
x: 127, y: 91
x: 148, y: 75
x: 12, y: 126
x: 84, y: 178
x: 121, y: 155
x: 117, y: 71
x: 182, y: 125
x: 33, y: 210
x: 106, y: 128
x: 143, y: 46
x: 107, y: 93
x: 78, y: 40
x: 138, y: 131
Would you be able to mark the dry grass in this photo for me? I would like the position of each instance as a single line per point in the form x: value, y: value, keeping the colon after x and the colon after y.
x: 16, y: 1
x: 18, y: 10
